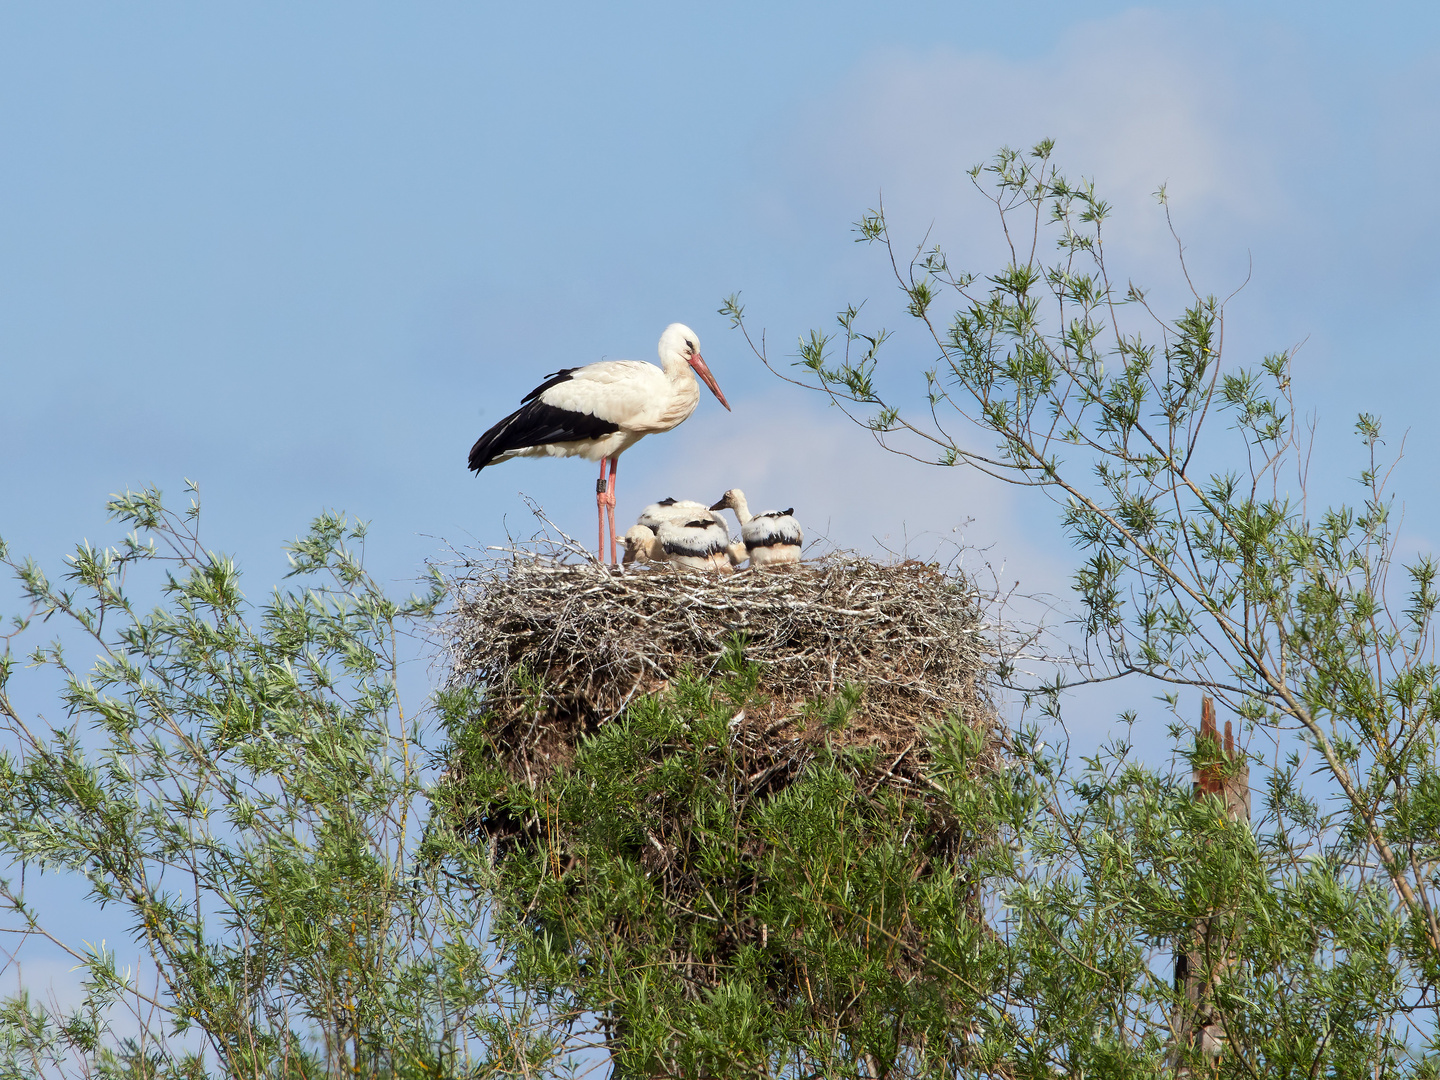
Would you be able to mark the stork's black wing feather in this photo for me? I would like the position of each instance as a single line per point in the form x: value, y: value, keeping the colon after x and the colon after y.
x: 775, y: 528
x: 701, y: 541
x: 537, y: 424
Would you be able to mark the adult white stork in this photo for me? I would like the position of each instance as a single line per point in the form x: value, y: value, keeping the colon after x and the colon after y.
x: 770, y: 538
x: 599, y: 410
x: 702, y: 544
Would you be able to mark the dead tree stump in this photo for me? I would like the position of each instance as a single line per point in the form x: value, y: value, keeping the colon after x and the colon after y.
x: 1195, y: 1022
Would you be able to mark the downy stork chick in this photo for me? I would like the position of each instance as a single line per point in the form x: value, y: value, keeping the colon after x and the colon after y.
x: 770, y: 538
x: 681, y: 511
x: 702, y: 544
x: 599, y: 410
x: 641, y: 545
x: 677, y: 510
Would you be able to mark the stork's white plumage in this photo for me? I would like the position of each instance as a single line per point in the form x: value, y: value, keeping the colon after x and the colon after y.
x: 599, y: 410
x: 680, y: 511
x: 672, y: 509
x: 770, y: 538
x: 641, y: 545
x: 702, y: 544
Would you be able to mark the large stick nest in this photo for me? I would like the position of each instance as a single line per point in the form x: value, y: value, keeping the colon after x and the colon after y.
x: 558, y: 649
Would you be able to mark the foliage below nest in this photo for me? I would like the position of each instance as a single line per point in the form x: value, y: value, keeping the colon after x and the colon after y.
x: 699, y: 787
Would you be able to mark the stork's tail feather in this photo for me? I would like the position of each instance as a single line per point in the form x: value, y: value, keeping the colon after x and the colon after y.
x: 536, y: 424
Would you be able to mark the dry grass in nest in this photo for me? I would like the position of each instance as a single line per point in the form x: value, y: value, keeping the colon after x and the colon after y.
x: 560, y: 648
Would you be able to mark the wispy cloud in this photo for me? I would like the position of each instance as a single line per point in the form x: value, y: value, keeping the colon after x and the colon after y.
x: 787, y: 450
x: 1135, y: 101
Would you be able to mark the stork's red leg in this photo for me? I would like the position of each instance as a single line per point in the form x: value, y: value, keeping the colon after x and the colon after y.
x: 600, y: 507
x: 610, y: 511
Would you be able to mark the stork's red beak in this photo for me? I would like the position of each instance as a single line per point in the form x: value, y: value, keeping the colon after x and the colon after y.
x: 698, y: 363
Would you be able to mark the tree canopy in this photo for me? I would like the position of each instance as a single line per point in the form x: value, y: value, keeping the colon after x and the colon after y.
x: 287, y: 840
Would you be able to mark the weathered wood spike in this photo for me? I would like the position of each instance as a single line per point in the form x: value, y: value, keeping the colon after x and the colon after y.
x: 1196, y: 1017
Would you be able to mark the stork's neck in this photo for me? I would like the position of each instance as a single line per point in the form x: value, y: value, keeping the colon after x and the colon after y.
x: 684, y: 394
x: 678, y: 370
x: 741, y: 508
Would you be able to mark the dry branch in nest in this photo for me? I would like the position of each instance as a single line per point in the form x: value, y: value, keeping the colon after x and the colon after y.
x: 559, y: 649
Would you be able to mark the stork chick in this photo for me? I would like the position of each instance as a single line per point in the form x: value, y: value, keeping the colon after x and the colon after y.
x: 681, y: 511
x: 771, y: 538
x: 676, y: 510
x: 641, y: 545
x: 702, y: 544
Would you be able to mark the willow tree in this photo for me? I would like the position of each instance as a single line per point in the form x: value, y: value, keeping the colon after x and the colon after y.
x: 239, y: 781
x: 1180, y: 477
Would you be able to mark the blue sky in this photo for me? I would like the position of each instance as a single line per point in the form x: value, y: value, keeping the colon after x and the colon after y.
x: 305, y: 254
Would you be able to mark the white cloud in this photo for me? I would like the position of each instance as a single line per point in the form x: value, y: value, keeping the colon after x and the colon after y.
x: 785, y: 452
x: 1133, y: 102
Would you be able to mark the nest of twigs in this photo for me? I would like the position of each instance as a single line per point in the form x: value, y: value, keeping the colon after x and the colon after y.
x: 556, y: 650
x: 852, y: 659
x: 559, y: 649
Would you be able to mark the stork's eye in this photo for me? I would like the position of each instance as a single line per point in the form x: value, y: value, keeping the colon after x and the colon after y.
x: 689, y: 344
